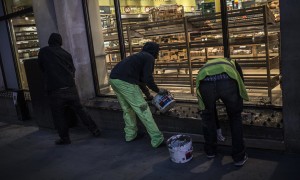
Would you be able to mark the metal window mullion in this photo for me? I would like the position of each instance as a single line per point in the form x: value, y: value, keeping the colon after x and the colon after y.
x: 267, y: 54
x: 187, y: 41
x: 120, y: 29
x: 225, y: 32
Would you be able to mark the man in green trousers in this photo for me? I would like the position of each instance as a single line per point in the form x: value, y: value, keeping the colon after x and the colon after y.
x: 125, y: 79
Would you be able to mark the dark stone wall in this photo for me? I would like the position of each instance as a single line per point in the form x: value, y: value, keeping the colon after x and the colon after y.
x: 14, y: 111
x: 290, y: 63
x: 108, y: 115
x: 7, y: 109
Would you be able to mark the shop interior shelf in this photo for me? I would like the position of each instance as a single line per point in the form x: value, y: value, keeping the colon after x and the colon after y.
x: 156, y: 24
x: 203, y: 44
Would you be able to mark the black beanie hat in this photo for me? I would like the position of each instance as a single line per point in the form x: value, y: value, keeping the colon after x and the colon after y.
x: 152, y: 48
x: 55, y: 40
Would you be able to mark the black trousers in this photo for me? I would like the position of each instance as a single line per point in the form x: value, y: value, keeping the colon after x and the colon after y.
x: 61, y: 98
x: 226, y: 90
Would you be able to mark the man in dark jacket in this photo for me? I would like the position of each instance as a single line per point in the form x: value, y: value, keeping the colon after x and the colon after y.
x: 59, y: 72
x: 125, y: 79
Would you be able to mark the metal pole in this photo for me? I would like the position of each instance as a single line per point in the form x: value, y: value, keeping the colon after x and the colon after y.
x: 225, y: 31
x: 267, y: 54
x: 120, y: 28
x: 129, y: 39
x: 187, y: 41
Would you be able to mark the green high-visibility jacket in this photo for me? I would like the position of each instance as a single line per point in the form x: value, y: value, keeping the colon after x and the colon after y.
x: 218, y: 66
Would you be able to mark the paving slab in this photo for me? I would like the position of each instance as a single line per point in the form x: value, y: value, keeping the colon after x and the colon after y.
x: 28, y: 152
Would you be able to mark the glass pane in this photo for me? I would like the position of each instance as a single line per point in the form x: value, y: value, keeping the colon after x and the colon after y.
x: 25, y: 42
x: 161, y: 22
x: 17, y: 5
x: 254, y: 43
x: 111, y: 44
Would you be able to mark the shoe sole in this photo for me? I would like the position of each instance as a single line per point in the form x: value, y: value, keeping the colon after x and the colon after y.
x: 210, y: 156
x: 240, y: 164
x: 139, y: 136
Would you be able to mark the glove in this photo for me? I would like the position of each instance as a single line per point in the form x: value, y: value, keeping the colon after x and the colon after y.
x: 149, y: 98
x: 162, y: 91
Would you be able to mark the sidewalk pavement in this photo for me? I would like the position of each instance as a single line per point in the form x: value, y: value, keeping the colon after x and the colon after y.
x: 29, y: 153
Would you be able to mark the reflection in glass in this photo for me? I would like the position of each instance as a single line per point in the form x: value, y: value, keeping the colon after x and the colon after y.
x: 25, y: 42
x: 17, y: 5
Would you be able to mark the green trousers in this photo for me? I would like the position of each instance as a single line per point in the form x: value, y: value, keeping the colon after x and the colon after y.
x: 133, y: 103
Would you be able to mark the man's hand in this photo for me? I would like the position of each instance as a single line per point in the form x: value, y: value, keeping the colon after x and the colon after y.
x: 162, y: 91
x: 149, y: 98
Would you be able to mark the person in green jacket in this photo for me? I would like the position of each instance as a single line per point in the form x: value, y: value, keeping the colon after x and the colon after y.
x: 222, y: 78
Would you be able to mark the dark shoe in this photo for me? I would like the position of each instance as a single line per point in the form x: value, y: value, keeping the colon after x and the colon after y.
x: 62, y: 141
x: 96, y: 133
x: 210, y: 156
x: 241, y: 162
x: 163, y: 144
x: 138, y: 136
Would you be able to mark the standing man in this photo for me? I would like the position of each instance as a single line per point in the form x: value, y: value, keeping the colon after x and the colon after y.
x: 59, y: 71
x: 125, y: 79
x: 222, y: 79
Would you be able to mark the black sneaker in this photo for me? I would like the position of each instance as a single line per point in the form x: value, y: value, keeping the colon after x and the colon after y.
x: 63, y: 141
x: 163, y: 144
x: 96, y: 133
x: 210, y: 156
x: 241, y: 162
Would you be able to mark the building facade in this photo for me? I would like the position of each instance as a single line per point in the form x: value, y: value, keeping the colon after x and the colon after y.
x: 91, y: 34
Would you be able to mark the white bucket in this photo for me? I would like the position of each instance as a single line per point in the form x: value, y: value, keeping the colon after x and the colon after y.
x: 180, y: 148
x: 163, y: 102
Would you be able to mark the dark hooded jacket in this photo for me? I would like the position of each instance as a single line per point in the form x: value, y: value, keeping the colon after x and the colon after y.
x: 138, y: 68
x: 57, y: 64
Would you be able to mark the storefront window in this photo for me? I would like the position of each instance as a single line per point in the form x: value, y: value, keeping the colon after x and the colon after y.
x: 190, y: 33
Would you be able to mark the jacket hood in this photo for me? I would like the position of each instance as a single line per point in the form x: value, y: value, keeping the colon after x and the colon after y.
x: 152, y: 48
x: 55, y: 40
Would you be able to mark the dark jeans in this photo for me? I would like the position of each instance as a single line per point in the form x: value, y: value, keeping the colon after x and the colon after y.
x: 61, y: 98
x: 226, y: 90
